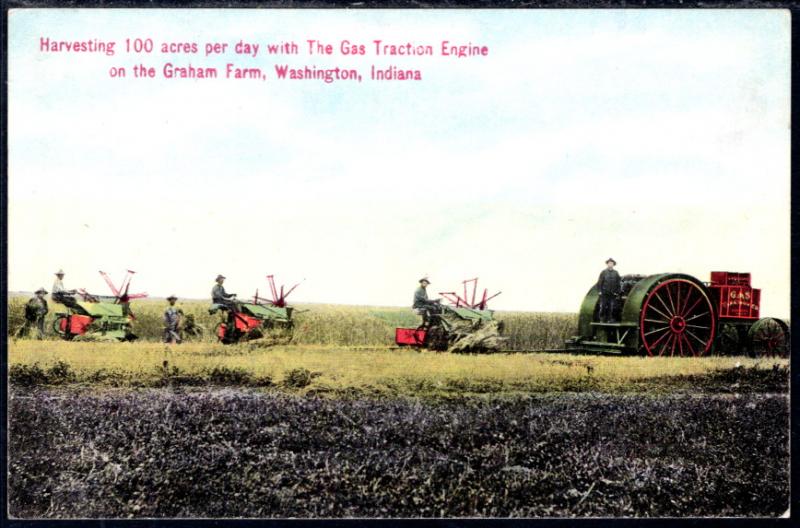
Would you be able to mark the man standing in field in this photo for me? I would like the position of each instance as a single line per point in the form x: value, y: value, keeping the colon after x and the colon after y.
x: 35, y: 310
x: 172, y: 321
x: 219, y: 298
x: 609, y: 286
x: 60, y: 294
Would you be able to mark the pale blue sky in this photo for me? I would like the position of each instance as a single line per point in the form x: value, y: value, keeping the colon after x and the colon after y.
x: 658, y: 137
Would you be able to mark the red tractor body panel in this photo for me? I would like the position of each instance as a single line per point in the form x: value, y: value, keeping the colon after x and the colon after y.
x: 733, y: 295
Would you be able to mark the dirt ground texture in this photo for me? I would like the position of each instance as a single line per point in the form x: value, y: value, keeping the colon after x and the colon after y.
x: 233, y: 452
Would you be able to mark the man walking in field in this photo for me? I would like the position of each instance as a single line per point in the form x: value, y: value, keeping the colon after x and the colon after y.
x: 60, y: 294
x: 35, y: 310
x: 221, y: 299
x: 609, y: 285
x: 172, y: 321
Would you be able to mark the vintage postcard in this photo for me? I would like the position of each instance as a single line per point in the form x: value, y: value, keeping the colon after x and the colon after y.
x: 462, y: 263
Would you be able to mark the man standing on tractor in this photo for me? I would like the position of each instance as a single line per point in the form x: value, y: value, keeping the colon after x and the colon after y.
x: 422, y: 306
x: 35, y: 310
x: 172, y: 321
x: 221, y: 299
x: 60, y: 294
x: 609, y: 285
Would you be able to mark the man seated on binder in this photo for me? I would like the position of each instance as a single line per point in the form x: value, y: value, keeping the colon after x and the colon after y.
x: 422, y: 305
x: 62, y: 295
x: 220, y: 299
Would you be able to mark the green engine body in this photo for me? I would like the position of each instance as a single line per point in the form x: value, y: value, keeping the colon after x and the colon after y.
x: 641, y: 297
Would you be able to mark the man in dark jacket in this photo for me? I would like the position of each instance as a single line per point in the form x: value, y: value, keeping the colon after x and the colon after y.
x: 421, y: 294
x: 221, y: 299
x: 422, y: 305
x: 609, y: 286
x: 35, y: 310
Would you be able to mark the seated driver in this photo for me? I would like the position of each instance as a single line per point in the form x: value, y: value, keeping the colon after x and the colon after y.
x: 422, y: 305
x: 61, y: 294
x: 220, y: 299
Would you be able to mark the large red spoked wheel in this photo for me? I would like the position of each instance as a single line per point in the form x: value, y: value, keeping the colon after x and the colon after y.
x: 769, y: 337
x: 677, y: 319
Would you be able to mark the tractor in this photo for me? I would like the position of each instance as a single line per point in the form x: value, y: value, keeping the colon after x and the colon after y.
x: 464, y: 325
x: 262, y: 321
x: 98, y: 317
x: 674, y: 314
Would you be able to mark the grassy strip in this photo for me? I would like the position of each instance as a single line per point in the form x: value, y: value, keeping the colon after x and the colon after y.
x: 340, y: 371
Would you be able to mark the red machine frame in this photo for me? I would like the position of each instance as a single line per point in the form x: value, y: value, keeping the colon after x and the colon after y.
x: 469, y: 301
x: 734, y: 296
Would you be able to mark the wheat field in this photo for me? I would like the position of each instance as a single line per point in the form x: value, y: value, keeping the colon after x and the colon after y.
x: 336, y: 325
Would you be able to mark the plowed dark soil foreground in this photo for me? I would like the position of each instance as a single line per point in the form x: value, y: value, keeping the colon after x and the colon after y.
x: 235, y: 453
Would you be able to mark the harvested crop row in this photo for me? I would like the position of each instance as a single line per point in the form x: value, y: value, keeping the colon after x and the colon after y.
x: 244, y: 454
x: 339, y: 370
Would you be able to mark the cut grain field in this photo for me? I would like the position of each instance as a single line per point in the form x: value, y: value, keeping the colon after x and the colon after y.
x: 342, y: 370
